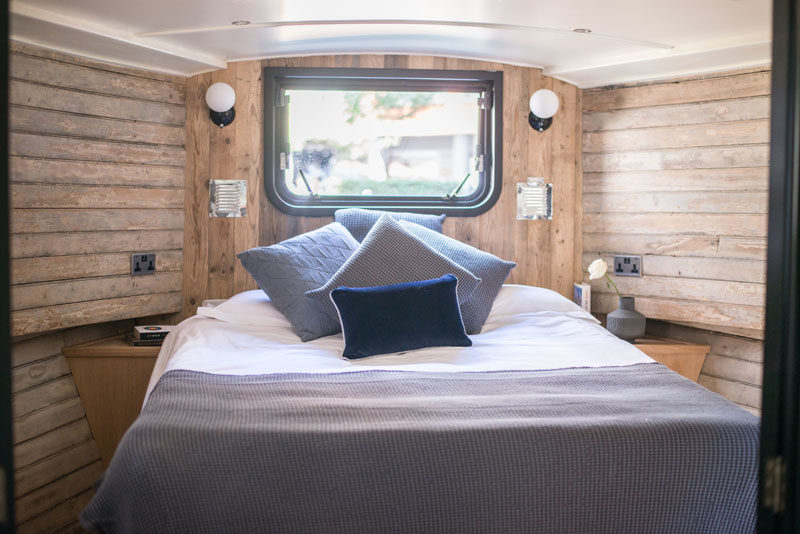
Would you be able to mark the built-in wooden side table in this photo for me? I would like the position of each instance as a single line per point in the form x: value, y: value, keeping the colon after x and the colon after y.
x: 112, y: 377
x: 683, y: 357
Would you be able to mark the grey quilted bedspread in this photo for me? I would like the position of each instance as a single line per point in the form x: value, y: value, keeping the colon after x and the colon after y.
x: 633, y: 449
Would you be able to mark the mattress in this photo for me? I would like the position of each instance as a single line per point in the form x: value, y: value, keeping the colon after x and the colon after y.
x: 529, y: 328
x: 548, y: 423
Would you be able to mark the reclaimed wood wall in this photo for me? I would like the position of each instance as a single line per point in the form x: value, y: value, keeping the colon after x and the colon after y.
x: 97, y: 170
x: 56, y: 460
x: 547, y: 252
x: 677, y: 171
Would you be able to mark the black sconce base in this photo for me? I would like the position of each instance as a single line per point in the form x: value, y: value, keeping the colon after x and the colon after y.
x: 222, y: 118
x: 538, y: 123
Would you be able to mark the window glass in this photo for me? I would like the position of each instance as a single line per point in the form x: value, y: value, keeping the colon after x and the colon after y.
x: 386, y: 143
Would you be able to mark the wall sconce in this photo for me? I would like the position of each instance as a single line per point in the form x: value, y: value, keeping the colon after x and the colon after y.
x: 544, y: 104
x: 220, y: 99
x: 534, y: 200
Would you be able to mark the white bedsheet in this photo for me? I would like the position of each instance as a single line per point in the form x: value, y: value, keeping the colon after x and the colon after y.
x: 529, y: 328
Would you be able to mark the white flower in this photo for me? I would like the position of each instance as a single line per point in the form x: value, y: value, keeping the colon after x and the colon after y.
x: 597, y: 269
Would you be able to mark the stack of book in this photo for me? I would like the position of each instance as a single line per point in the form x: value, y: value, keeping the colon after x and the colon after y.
x: 149, y: 335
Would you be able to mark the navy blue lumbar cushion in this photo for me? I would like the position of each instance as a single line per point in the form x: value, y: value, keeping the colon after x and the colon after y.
x: 400, y: 317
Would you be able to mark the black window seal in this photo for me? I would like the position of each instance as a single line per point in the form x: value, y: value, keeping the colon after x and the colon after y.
x: 278, y: 78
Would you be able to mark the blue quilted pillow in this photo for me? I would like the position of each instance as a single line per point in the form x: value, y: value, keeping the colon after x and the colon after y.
x: 359, y: 221
x: 400, y: 317
x: 392, y: 255
x: 489, y: 268
x: 287, y: 270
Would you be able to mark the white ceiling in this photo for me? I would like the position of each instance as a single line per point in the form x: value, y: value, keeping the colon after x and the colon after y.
x: 631, y: 40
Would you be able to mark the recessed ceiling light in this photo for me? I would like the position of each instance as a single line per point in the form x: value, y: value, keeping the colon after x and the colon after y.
x: 240, y: 22
x: 582, y: 30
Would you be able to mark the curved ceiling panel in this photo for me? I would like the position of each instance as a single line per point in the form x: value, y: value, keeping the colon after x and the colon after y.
x: 628, y: 40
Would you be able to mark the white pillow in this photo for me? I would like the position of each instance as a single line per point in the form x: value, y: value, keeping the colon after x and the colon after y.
x: 250, y: 307
x: 514, y: 299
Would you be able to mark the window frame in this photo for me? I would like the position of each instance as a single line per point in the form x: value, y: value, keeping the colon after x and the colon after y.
x: 277, y: 79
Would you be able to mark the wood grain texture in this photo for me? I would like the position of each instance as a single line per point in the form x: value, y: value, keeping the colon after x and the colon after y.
x: 683, y: 136
x: 38, y: 372
x: 676, y: 202
x: 56, y: 459
x: 67, y: 220
x: 725, y: 86
x: 35, y: 51
x: 699, y: 312
x: 55, y: 519
x: 68, y: 74
x: 706, y: 180
x: 97, y: 172
x: 715, y: 111
x: 78, y: 313
x: 713, y: 269
x: 67, y: 124
x: 70, y: 148
x: 63, y: 292
x: 677, y: 171
x: 112, y: 384
x: 93, y: 172
x: 29, y: 270
x: 733, y: 367
x: 54, y: 467
x: 545, y: 251
x: 33, y: 95
x: 74, y: 243
x: 90, y: 196
x: 62, y: 489
x: 677, y: 245
x: 49, y: 443
x: 684, y: 358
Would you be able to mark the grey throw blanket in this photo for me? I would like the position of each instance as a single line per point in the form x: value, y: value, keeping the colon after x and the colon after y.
x: 633, y: 449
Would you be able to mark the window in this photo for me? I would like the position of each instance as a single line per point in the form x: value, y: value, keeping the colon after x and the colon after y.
x: 422, y: 140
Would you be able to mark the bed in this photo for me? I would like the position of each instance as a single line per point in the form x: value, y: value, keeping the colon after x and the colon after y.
x: 548, y: 423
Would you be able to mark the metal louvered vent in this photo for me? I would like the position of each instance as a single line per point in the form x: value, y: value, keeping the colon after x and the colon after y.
x: 227, y: 198
x: 535, y: 200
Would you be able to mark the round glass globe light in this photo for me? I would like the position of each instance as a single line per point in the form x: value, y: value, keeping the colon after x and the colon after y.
x: 220, y: 97
x: 544, y: 103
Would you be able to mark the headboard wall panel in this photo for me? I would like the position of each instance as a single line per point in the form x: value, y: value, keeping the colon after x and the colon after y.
x: 97, y: 172
x: 547, y: 253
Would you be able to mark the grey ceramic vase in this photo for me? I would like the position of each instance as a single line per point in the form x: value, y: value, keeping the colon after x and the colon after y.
x: 625, y: 322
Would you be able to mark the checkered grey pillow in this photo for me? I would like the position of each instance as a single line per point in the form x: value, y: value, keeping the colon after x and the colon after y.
x: 359, y: 221
x: 391, y: 255
x: 287, y: 270
x: 489, y: 268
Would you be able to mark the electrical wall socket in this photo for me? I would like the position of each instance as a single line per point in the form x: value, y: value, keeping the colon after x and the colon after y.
x: 628, y: 265
x: 143, y: 264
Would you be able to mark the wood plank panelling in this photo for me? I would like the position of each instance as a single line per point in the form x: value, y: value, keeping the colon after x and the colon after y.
x: 678, y: 115
x: 55, y: 457
x: 34, y: 320
x: 722, y: 87
x: 66, y: 243
x: 547, y: 253
x: 94, y: 172
x: 733, y: 367
x: 97, y: 171
x: 676, y: 171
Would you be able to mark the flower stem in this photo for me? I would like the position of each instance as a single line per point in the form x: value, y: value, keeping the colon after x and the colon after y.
x: 613, y: 284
